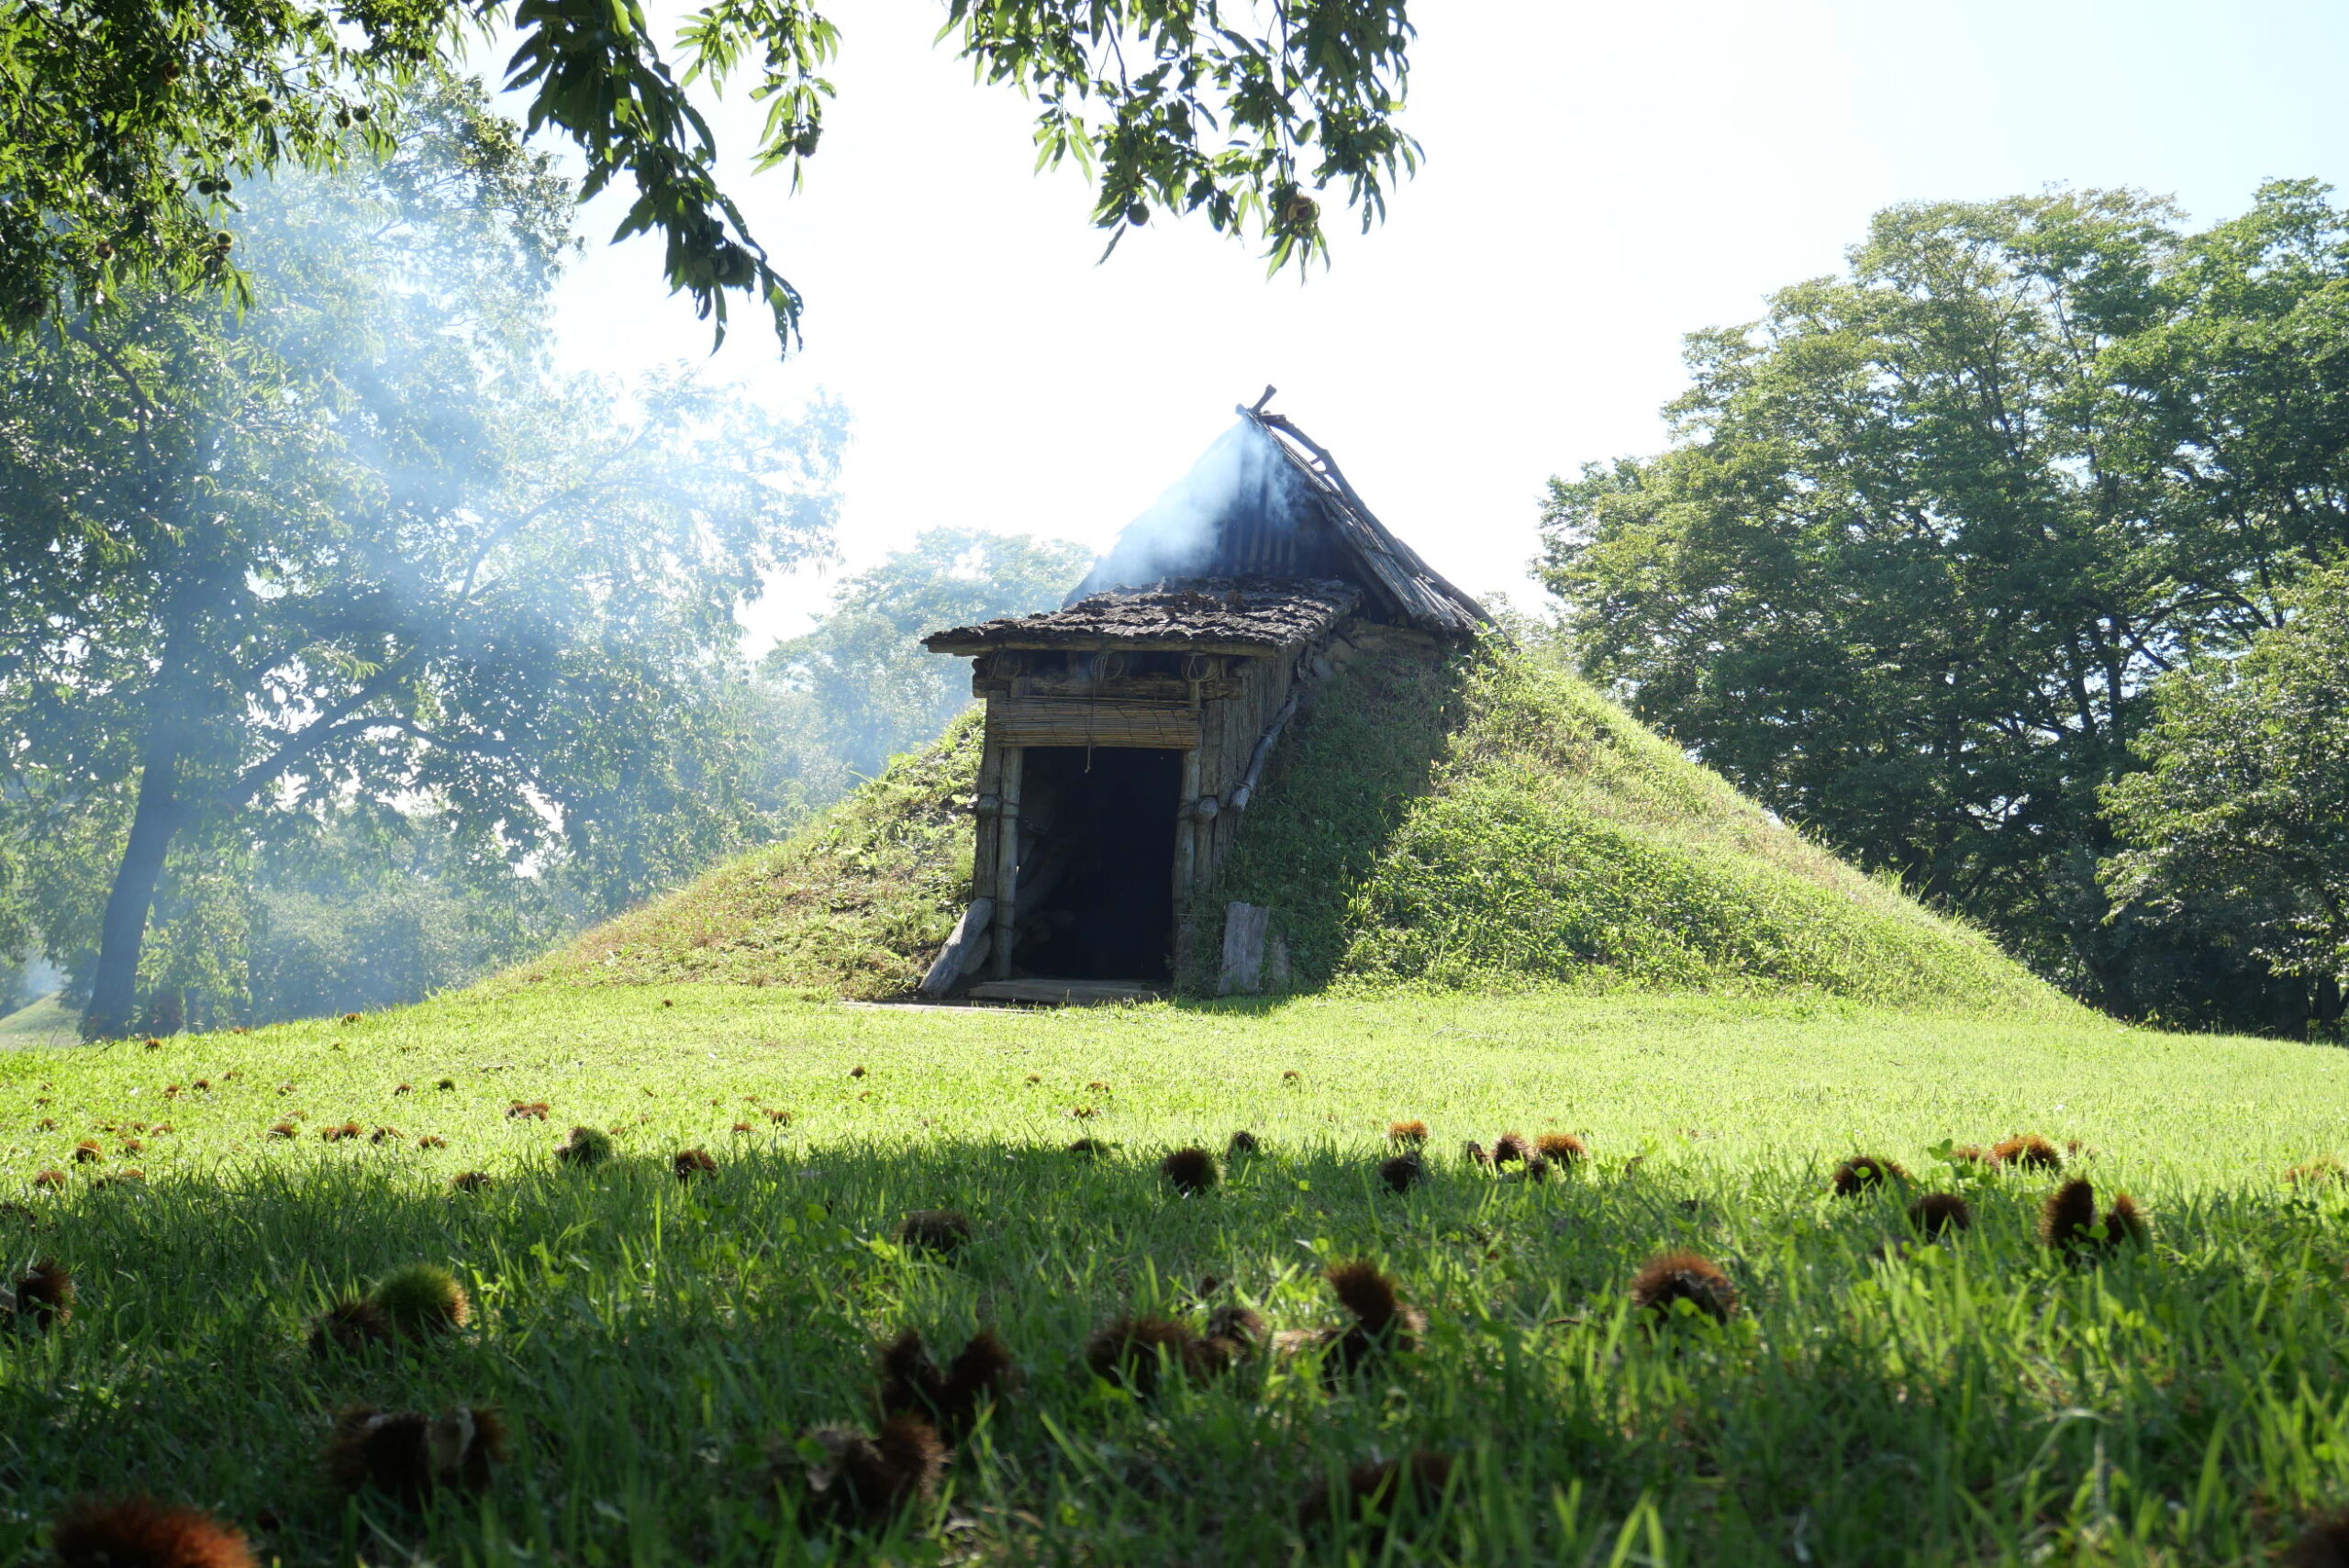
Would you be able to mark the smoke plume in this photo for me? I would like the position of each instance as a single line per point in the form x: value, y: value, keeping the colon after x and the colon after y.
x: 1242, y: 477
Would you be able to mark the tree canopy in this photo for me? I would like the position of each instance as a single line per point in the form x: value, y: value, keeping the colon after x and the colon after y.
x: 358, y: 546
x: 125, y: 126
x: 2244, y: 797
x: 857, y: 685
x: 1928, y: 531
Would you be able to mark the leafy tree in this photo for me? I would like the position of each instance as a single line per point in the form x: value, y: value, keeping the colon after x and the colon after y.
x: 357, y: 543
x: 858, y: 687
x: 125, y: 124
x: 2244, y: 797
x: 379, y: 908
x: 1927, y: 532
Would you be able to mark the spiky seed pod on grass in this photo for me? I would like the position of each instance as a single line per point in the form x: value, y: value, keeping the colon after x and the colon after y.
x: 1535, y: 1169
x: 88, y: 1151
x: 1380, y: 1494
x: 911, y: 1383
x: 471, y: 1182
x: 2126, y: 1225
x: 1134, y: 1351
x: 1414, y: 1133
x: 1972, y: 1154
x: 1243, y: 1144
x: 409, y: 1455
x: 781, y: 1119
x: 282, y: 1129
x: 585, y: 1146
x: 2068, y: 1219
x: 139, y: 1532
x: 346, y: 1130
x: 385, y: 1135
x: 1864, y: 1174
x: 1940, y: 1214
x: 1562, y: 1148
x: 533, y: 1110
x: 423, y: 1302
x: 1292, y: 1075
x: 2323, y: 1544
x: 404, y: 1089
x: 1510, y: 1148
x: 1382, y: 1325
x: 432, y: 1140
x: 43, y: 1298
x: 1475, y: 1154
x: 1670, y: 1278
x: 1189, y: 1171
x: 352, y: 1325
x: 446, y: 1083
x: 50, y: 1181
x: 2030, y: 1151
x: 2325, y: 1170
x: 1089, y: 1148
x: 744, y: 1127
x: 693, y: 1163
x: 1401, y: 1173
x: 864, y: 1482
x: 1233, y: 1335
x: 941, y: 1231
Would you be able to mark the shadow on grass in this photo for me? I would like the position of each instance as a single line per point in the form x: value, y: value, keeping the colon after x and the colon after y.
x: 646, y: 1337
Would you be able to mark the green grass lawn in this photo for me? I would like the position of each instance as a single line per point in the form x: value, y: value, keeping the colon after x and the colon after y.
x: 646, y: 1340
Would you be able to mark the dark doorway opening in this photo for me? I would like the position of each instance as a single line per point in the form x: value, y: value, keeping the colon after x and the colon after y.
x: 1095, y: 889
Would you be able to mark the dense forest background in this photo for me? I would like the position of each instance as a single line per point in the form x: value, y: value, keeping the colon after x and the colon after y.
x: 348, y: 651
x: 1946, y: 550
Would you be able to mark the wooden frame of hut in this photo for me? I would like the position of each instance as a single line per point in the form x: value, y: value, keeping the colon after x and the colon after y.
x: 1128, y: 732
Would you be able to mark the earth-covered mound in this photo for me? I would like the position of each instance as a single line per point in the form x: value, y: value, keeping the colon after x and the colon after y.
x: 1492, y: 823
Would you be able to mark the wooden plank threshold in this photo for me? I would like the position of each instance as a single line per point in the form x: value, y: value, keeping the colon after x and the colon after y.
x: 1066, y: 992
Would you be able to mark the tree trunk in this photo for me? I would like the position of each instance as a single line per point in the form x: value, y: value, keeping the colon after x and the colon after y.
x: 113, y: 991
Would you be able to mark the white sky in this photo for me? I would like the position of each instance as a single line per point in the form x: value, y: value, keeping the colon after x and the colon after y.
x: 1599, y: 181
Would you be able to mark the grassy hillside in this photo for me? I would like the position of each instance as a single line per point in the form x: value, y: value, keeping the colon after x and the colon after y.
x: 44, y: 1022
x: 1487, y: 825
x: 1498, y: 824
x: 1873, y: 1400
x: 854, y: 905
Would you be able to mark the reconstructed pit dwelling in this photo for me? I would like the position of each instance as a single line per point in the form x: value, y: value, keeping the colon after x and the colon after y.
x: 1128, y: 730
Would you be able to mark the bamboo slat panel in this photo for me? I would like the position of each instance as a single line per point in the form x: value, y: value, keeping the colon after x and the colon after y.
x: 1058, y: 721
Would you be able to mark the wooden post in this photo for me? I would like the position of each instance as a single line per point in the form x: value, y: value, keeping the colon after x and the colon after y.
x: 986, y: 839
x: 966, y: 947
x: 1006, y: 882
x: 1243, y: 948
x: 1186, y: 856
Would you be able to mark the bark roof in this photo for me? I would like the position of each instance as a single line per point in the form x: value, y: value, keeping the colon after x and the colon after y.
x: 1197, y: 613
